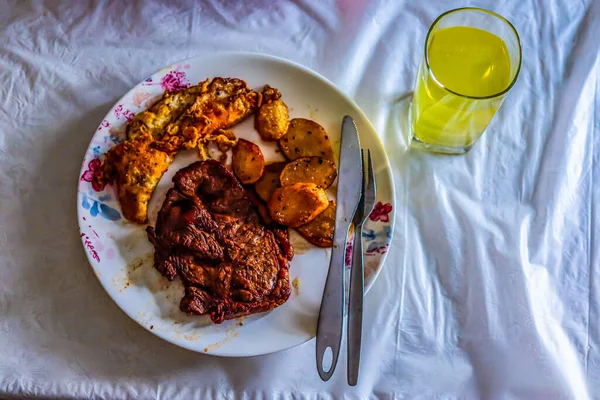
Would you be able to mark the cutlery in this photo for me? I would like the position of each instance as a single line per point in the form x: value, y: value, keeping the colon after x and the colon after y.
x: 331, y: 316
x: 357, y: 284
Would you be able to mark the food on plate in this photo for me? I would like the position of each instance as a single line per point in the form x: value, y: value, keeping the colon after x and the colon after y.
x: 269, y: 94
x: 136, y: 167
x: 263, y: 211
x: 142, y: 159
x: 248, y: 162
x: 297, y: 204
x: 305, y: 138
x: 224, y: 139
x: 315, y: 170
x: 293, y: 192
x: 209, y: 234
x: 222, y: 103
x: 319, y: 231
x: 272, y: 118
x: 155, y: 119
x: 269, y: 181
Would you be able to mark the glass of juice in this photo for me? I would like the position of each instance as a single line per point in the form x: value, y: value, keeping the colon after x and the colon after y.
x: 472, y: 59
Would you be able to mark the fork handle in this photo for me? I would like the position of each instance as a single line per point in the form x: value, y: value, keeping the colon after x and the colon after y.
x: 355, y: 307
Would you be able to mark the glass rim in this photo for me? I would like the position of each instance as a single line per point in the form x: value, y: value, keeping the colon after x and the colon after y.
x: 514, y: 80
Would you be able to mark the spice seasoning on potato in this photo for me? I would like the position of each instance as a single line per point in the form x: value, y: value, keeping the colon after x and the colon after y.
x: 305, y: 138
x: 248, y: 161
x: 272, y: 120
x: 315, y: 170
x: 269, y: 181
x: 319, y: 231
x: 297, y: 204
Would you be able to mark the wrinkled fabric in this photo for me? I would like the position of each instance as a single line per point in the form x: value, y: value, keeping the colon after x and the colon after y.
x: 491, y: 289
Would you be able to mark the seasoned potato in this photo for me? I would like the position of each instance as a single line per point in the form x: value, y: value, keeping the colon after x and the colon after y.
x: 269, y: 181
x: 305, y: 138
x: 319, y: 231
x: 272, y: 120
x: 315, y: 170
x: 297, y: 204
x: 248, y: 161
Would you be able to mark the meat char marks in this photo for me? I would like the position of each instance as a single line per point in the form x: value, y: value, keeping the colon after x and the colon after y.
x: 209, y: 233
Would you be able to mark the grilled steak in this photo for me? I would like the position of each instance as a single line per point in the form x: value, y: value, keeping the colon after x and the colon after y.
x: 209, y: 233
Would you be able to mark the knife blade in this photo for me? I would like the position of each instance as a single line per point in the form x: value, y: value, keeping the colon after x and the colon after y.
x: 331, y: 315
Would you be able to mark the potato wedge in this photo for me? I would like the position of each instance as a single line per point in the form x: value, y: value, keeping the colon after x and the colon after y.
x: 248, y: 161
x: 272, y: 120
x: 319, y: 231
x: 305, y: 138
x: 315, y: 170
x: 297, y: 204
x: 269, y: 181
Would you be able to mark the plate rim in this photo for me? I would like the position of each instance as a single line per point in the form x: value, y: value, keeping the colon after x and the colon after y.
x: 258, y: 56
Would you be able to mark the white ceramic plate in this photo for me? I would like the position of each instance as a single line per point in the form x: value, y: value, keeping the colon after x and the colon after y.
x: 121, y: 255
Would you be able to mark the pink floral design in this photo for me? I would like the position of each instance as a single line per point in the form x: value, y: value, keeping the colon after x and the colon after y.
x: 120, y: 112
x: 349, y: 247
x: 104, y: 124
x: 87, y: 243
x: 140, y: 97
x: 94, y: 169
x: 174, y: 81
x: 381, y: 212
x: 375, y: 248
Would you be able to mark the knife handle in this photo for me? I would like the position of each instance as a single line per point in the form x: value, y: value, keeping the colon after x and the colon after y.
x: 355, y: 307
x: 331, y: 316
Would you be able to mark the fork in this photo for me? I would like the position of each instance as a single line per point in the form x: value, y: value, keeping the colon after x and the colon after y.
x: 356, y: 292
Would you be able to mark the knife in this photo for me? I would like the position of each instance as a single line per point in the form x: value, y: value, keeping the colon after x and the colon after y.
x: 331, y: 315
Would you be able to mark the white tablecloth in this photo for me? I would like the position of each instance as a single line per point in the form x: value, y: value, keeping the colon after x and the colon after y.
x: 491, y: 287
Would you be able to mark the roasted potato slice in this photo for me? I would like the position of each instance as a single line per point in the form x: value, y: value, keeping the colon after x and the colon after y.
x: 305, y: 138
x: 315, y: 170
x: 297, y: 204
x: 272, y: 120
x: 319, y: 231
x: 248, y: 161
x: 269, y: 181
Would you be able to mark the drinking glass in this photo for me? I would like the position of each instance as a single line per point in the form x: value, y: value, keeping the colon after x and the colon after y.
x: 472, y: 59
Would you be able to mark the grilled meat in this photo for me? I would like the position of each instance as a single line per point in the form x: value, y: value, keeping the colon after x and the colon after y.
x: 209, y: 233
